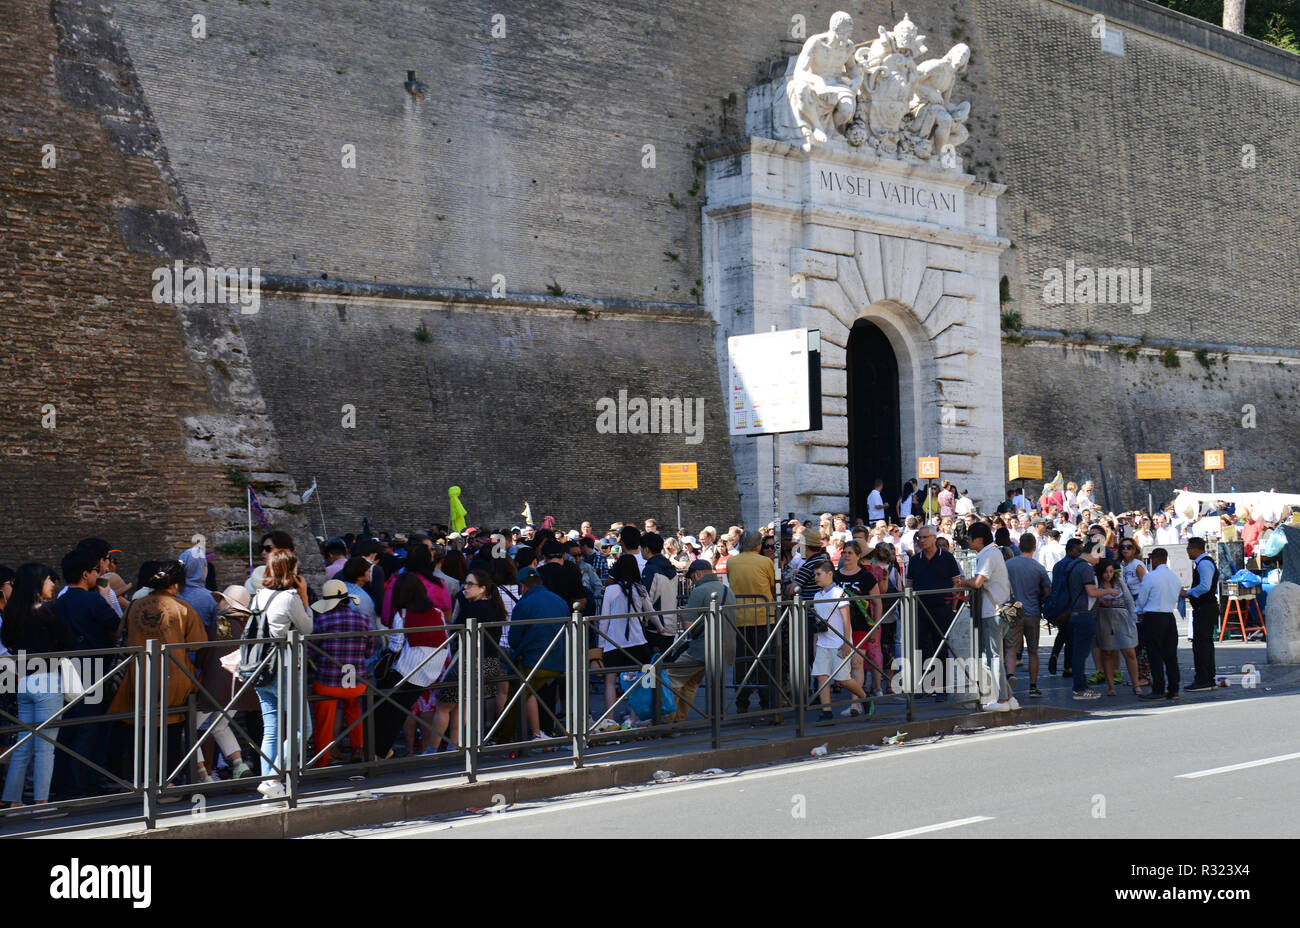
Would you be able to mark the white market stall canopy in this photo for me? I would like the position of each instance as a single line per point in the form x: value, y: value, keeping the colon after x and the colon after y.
x: 1266, y: 505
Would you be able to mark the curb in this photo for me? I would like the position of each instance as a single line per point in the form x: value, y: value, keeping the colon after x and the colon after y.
x: 328, y: 815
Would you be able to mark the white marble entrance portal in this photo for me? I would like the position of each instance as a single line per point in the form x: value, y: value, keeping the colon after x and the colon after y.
x: 819, y: 240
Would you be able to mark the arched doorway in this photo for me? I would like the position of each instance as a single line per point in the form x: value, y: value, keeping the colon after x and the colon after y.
x: 875, y: 446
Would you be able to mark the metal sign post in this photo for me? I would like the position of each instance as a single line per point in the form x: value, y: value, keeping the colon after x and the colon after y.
x: 1153, y: 467
x: 774, y: 387
x: 1213, y: 462
x: 678, y: 476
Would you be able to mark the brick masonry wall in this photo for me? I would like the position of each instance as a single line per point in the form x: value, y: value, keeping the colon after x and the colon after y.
x: 501, y: 403
x: 1116, y: 405
x: 141, y: 436
x: 525, y: 158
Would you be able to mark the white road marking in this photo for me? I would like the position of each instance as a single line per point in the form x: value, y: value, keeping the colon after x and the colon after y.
x: 1231, y: 767
x: 905, y: 750
x: 942, y: 826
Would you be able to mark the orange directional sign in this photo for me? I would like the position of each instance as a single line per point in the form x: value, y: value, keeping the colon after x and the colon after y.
x: 1214, y: 460
x: 1024, y: 467
x: 1154, y: 467
x: 927, y: 468
x: 678, y: 476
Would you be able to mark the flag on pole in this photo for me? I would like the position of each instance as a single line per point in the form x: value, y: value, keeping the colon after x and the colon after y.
x: 258, y: 510
x: 527, y: 514
x: 310, y: 490
x: 1058, y: 482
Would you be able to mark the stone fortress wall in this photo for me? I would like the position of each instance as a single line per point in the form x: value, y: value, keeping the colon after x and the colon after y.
x: 526, y: 158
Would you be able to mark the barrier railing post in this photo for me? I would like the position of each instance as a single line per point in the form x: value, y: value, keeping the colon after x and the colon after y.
x: 291, y: 673
x: 908, y: 675
x: 152, y: 665
x: 799, y: 664
x: 975, y: 660
x: 471, y: 681
x: 577, y: 689
x: 714, y: 672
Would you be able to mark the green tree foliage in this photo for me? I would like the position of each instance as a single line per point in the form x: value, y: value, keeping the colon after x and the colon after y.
x: 1274, y: 21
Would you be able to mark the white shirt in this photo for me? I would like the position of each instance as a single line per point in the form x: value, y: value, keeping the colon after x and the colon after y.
x: 909, y: 538
x: 283, y: 608
x: 992, y: 566
x: 1159, y: 590
x: 1166, y: 535
x: 508, y: 600
x: 622, y: 633
x: 1049, y: 553
x: 413, y: 656
x: 905, y: 506
x: 965, y: 505
x: 827, y: 605
x: 875, y: 505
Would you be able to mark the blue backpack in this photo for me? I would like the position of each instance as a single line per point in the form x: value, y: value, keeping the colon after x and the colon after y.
x: 1062, y: 597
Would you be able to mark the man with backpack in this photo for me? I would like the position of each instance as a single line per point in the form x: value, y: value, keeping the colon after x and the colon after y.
x: 659, y: 577
x: 1074, y: 590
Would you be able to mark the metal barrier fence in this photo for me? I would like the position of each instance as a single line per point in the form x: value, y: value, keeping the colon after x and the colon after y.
x: 687, y: 673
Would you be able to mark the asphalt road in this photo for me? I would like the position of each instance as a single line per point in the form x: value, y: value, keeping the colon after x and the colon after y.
x: 1132, y: 772
x: 1150, y: 772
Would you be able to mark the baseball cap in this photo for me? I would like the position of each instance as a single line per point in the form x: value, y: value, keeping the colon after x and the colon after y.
x: 699, y: 564
x: 552, y: 548
x: 528, y: 573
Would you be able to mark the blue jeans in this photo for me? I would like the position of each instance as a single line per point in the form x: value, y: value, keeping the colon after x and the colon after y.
x: 1084, y: 626
x: 36, y: 704
x: 272, y: 746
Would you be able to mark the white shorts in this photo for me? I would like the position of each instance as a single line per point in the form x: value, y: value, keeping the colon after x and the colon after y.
x: 826, y: 660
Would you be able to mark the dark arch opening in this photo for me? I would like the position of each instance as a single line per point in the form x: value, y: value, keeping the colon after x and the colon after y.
x: 875, y: 442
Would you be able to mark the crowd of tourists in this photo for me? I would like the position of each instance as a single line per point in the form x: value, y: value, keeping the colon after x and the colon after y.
x: 1100, y: 580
